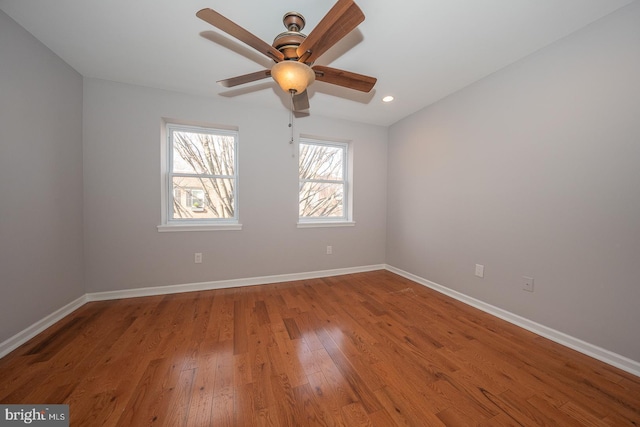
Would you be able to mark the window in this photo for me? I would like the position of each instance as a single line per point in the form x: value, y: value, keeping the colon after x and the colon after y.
x: 195, y: 199
x: 323, y: 186
x: 200, y: 178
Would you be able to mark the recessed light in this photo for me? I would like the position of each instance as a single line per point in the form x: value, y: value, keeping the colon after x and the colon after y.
x: 387, y: 98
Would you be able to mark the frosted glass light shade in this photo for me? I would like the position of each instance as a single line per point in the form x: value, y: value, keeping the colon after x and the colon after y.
x: 293, y: 76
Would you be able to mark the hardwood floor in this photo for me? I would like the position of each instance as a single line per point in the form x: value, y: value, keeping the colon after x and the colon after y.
x: 362, y: 349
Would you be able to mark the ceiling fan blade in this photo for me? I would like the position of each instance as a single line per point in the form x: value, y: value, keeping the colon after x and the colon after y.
x: 301, y: 101
x: 343, y: 17
x: 247, y: 78
x: 233, y: 29
x: 344, y: 78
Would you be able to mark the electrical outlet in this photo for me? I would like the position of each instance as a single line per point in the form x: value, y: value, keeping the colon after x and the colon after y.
x: 329, y: 250
x: 197, y: 258
x: 527, y: 284
x: 479, y: 270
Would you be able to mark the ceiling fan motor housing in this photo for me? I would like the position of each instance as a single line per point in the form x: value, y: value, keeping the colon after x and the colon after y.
x: 288, y: 42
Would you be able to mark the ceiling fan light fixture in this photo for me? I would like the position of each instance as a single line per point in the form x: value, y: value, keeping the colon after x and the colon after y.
x: 293, y: 76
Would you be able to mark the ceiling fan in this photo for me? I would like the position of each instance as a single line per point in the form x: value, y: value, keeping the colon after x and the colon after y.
x: 294, y: 52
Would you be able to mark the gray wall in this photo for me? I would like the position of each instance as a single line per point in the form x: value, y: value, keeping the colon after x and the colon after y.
x: 122, y: 181
x: 40, y: 181
x: 533, y: 171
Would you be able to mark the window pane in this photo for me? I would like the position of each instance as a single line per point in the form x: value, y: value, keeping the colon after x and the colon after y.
x: 321, y: 200
x: 321, y: 162
x: 202, y: 198
x: 203, y: 153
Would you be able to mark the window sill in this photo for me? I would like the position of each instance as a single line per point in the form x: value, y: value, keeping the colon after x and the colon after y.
x: 319, y: 224
x: 198, y: 227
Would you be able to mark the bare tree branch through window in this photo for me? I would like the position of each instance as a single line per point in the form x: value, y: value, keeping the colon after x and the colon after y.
x: 322, y: 180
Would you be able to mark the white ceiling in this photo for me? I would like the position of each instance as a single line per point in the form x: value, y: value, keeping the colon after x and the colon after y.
x: 420, y: 50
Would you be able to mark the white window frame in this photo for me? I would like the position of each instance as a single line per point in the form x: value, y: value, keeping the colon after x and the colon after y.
x: 169, y: 224
x: 346, y: 220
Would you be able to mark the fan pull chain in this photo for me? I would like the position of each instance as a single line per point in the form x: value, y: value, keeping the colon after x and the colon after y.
x: 291, y: 118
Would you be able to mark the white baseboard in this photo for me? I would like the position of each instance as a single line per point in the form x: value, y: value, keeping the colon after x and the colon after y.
x: 606, y: 356
x: 221, y: 284
x: 22, y: 337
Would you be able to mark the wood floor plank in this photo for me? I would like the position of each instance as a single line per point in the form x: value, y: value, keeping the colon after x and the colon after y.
x: 143, y: 407
x: 328, y: 398
x: 314, y: 414
x: 355, y: 415
x: 554, y: 413
x: 202, y: 391
x: 222, y: 411
x: 290, y: 364
x: 351, y: 374
x: 261, y: 371
x: 403, y: 410
x: 288, y: 411
x: 179, y: 404
x: 337, y: 386
x: 359, y: 349
x: 243, y: 404
x: 223, y: 383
